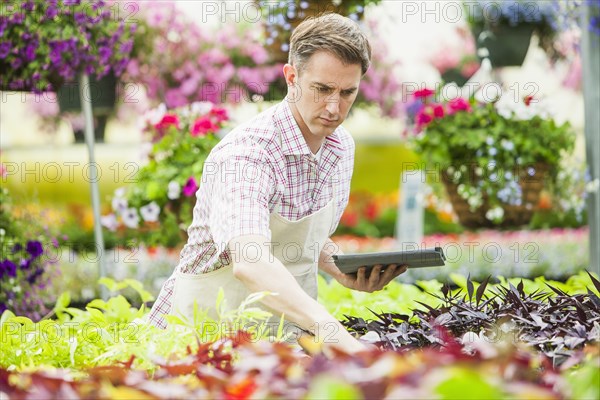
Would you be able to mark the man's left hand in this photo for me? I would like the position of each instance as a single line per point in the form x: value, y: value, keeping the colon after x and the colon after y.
x: 375, y: 281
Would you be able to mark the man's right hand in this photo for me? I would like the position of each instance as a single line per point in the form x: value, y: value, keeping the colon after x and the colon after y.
x: 376, y: 280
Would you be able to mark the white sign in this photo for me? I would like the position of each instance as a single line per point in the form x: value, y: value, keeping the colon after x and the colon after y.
x: 409, y: 224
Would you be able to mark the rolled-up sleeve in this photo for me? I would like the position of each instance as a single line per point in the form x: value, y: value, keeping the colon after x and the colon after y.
x: 239, y: 195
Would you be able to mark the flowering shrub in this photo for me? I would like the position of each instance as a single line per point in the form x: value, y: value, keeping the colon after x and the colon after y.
x: 227, y: 65
x: 484, y: 148
x: 44, y: 44
x: 163, y: 192
x: 24, y: 263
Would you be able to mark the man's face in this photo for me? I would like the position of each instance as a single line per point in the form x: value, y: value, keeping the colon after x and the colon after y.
x: 322, y: 94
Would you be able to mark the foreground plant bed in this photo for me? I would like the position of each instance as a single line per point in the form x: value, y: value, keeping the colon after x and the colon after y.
x: 106, y: 351
x: 235, y: 368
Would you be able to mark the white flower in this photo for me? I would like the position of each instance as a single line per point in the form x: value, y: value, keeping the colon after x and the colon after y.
x: 150, y: 212
x: 592, y: 187
x: 120, y: 192
x: 131, y: 219
x: 109, y: 222
x: 2, y: 232
x: 173, y: 190
x: 119, y: 204
x: 155, y: 115
x: 495, y: 214
x: 507, y: 145
x: 201, y: 107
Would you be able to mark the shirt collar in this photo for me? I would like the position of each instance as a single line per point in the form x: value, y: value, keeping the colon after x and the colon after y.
x: 292, y: 141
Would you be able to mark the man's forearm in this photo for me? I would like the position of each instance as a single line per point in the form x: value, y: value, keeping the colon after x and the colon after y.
x: 269, y: 274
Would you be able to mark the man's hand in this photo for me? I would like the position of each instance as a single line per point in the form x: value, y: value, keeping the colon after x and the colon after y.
x: 376, y: 280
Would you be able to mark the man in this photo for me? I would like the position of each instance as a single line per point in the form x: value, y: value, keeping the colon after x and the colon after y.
x: 273, y: 191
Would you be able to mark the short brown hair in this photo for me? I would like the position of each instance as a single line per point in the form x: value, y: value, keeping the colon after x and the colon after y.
x: 333, y: 33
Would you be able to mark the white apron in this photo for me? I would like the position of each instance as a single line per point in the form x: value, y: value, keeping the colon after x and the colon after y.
x: 297, y: 244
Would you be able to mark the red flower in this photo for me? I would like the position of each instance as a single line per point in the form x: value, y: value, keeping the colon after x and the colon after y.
x: 423, y: 118
x: 190, y: 187
x: 438, y: 111
x: 203, y: 126
x: 528, y: 100
x: 423, y: 93
x: 371, y: 211
x: 349, y: 218
x: 240, y: 390
x: 167, y: 121
x: 220, y: 114
x: 458, y: 104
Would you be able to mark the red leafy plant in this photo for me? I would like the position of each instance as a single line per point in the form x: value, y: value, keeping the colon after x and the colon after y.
x: 557, y: 325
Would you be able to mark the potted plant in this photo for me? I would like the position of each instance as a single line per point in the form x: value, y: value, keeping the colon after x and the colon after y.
x: 45, y: 44
x: 455, y: 57
x: 159, y: 203
x: 282, y: 17
x: 493, y: 157
x: 503, y: 29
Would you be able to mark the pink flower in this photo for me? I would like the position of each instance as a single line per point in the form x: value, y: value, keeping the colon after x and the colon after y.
x: 167, y: 121
x: 423, y: 93
x: 175, y: 98
x: 190, y: 187
x: 220, y: 114
x: 458, y: 104
x: 438, y: 111
x: 203, y: 126
x: 423, y: 119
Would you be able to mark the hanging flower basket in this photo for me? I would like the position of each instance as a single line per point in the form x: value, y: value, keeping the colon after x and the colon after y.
x: 505, y: 46
x: 103, y: 95
x: 531, y: 181
x: 283, y: 19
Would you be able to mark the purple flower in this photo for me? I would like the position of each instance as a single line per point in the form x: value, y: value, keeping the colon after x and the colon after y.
x: 16, y: 248
x: 3, y: 24
x: 27, y: 6
x: 36, y: 274
x: 190, y: 187
x: 18, y: 18
x: 126, y: 47
x: 30, y: 51
x: 8, y: 267
x: 71, y: 2
x: 80, y: 18
x: 51, y: 12
x: 105, y: 53
x: 5, y: 49
x: 16, y: 63
x: 25, y: 264
x: 35, y: 248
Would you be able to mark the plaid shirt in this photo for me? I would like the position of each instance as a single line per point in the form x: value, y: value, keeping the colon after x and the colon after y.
x: 261, y: 167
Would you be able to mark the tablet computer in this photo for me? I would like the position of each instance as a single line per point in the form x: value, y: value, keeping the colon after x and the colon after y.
x: 350, y: 263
